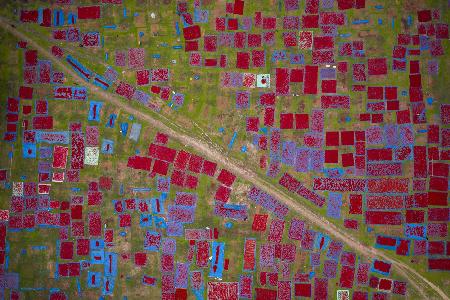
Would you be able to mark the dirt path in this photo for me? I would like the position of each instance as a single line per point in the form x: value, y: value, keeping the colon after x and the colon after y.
x: 212, y: 152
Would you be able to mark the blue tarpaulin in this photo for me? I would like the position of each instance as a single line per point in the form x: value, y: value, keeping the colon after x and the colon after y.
x: 218, y: 253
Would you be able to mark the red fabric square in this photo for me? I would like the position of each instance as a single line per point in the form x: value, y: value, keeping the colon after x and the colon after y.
x: 393, y: 105
x: 195, y: 163
x: 242, y: 60
x: 26, y: 92
x: 191, y: 46
x: 66, y: 250
x: 83, y: 247
x: 125, y: 220
x: 233, y: 24
x: 220, y: 24
x: 332, y: 138
x: 160, y: 167
x: 143, y: 77
x: 209, y: 168
x: 181, y: 160
x: 226, y: 177
x: 254, y: 40
x: 296, y: 75
x: 310, y: 21
x: 269, y: 23
x: 191, y: 182
x: 377, y: 66
x: 259, y: 222
x: 192, y: 32
x: 347, y: 138
x: 140, y: 258
x: 178, y: 178
x: 258, y: 58
x: 301, y: 121
x: 355, y: 204
x: 347, y: 160
x: 286, y: 121
x: 302, y: 290
x: 403, y: 116
x: 329, y: 86
x: 77, y: 212
x: 424, y: 15
x: 222, y: 194
x: 252, y: 124
x: 385, y: 284
x: 360, y: 135
x: 331, y: 156
x: 26, y: 109
x: 342, y: 67
x: 210, y: 43
x: 345, y: 4
x: 377, y: 118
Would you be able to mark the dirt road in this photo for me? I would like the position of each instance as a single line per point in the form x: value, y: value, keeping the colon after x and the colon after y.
x: 211, y: 152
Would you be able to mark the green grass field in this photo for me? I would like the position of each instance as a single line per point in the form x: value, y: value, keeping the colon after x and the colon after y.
x: 207, y: 107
